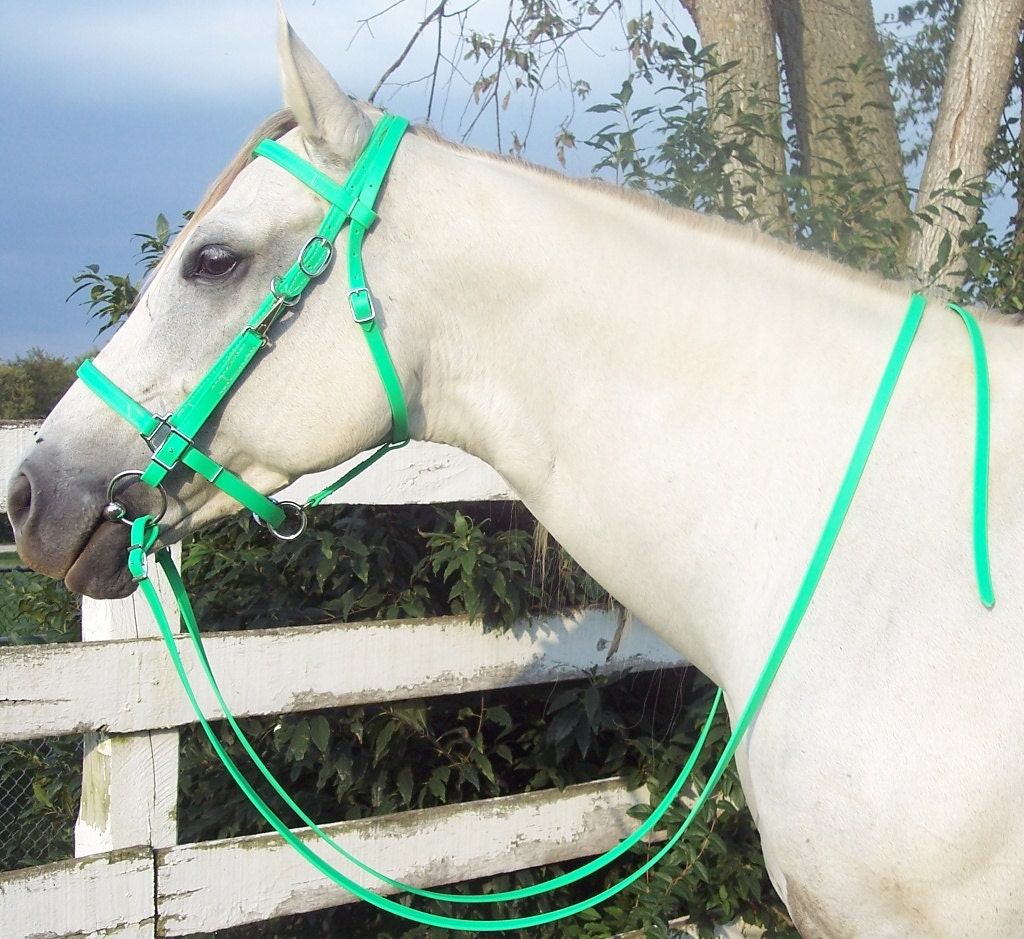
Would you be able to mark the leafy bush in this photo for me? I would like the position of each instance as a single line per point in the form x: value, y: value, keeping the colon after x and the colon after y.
x: 487, y: 561
x: 40, y: 786
x: 31, y: 384
x: 35, y: 609
x: 491, y: 562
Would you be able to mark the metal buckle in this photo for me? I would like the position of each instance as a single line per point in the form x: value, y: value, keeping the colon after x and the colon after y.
x: 320, y: 268
x: 156, y: 443
x: 368, y: 317
x: 115, y: 511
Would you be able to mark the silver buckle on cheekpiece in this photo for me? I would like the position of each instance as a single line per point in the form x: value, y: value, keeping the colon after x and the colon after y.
x: 316, y: 271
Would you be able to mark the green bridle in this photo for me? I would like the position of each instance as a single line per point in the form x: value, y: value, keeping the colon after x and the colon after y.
x: 172, y: 437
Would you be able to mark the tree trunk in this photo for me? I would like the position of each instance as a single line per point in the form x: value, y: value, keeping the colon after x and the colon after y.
x: 1016, y: 172
x: 743, y: 32
x: 973, y: 96
x: 842, y: 106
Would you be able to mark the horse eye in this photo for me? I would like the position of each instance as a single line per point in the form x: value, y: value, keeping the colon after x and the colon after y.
x: 214, y: 261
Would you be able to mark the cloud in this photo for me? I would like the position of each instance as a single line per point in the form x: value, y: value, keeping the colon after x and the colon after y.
x: 187, y: 51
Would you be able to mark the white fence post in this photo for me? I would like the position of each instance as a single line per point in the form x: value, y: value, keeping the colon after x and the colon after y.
x: 129, y: 781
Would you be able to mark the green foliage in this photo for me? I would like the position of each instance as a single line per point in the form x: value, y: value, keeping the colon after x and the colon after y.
x: 702, y: 155
x: 528, y: 55
x: 487, y: 574
x: 917, y: 40
x: 109, y: 298
x: 36, y: 609
x: 491, y: 562
x: 383, y: 562
x: 41, y: 785
x: 31, y: 384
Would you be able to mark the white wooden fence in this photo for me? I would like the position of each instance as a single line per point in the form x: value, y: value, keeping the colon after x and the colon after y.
x: 130, y: 877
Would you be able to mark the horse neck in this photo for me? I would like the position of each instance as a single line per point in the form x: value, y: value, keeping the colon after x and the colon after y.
x: 635, y: 378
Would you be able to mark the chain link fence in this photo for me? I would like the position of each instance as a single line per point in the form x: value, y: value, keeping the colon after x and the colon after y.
x: 40, y: 782
x: 40, y: 779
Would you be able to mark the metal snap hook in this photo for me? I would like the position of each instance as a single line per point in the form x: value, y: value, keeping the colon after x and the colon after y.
x: 283, y: 298
x: 115, y: 511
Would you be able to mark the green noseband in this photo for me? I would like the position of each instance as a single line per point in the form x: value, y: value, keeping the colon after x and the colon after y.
x: 171, y: 438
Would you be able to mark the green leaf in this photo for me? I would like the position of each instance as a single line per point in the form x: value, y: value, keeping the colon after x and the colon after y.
x: 404, y: 782
x: 298, y: 745
x: 592, y: 704
x: 320, y: 732
x: 380, y: 745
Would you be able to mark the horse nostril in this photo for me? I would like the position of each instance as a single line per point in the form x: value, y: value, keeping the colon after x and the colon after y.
x: 19, y: 501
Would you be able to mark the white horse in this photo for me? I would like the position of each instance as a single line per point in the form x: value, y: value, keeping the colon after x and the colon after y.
x: 676, y: 400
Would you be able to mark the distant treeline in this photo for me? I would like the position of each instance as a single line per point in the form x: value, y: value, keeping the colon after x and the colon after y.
x: 31, y: 384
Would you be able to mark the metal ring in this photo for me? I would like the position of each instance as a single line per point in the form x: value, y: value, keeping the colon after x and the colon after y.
x: 298, y: 513
x: 283, y: 299
x: 319, y: 269
x: 115, y: 511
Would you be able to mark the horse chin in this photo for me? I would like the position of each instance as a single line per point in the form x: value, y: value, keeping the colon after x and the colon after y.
x: 101, y: 569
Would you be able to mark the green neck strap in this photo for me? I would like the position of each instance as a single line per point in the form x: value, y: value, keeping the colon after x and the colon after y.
x: 172, y: 438
x: 144, y: 538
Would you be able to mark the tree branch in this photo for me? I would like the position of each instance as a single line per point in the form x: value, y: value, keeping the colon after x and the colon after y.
x: 434, y: 14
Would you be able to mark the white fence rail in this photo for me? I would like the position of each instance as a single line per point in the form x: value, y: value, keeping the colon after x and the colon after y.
x: 130, y: 878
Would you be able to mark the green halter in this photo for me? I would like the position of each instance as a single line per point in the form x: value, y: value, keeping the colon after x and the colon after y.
x: 171, y: 439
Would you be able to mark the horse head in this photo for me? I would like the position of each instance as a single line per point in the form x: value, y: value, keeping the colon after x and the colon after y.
x: 288, y: 414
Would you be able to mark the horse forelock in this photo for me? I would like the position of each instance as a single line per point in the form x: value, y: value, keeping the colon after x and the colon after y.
x: 274, y: 127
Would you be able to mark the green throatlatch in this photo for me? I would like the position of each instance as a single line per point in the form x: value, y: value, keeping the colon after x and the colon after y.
x: 171, y: 439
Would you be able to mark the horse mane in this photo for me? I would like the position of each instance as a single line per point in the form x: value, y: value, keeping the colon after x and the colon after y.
x: 278, y: 124
x: 681, y: 215
x: 274, y: 127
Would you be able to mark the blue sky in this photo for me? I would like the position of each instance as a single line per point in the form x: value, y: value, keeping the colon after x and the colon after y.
x: 117, y: 110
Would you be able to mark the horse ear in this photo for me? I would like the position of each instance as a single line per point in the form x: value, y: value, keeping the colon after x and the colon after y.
x: 328, y: 118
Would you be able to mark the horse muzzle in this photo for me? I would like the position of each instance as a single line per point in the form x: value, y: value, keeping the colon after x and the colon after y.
x: 60, y: 529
